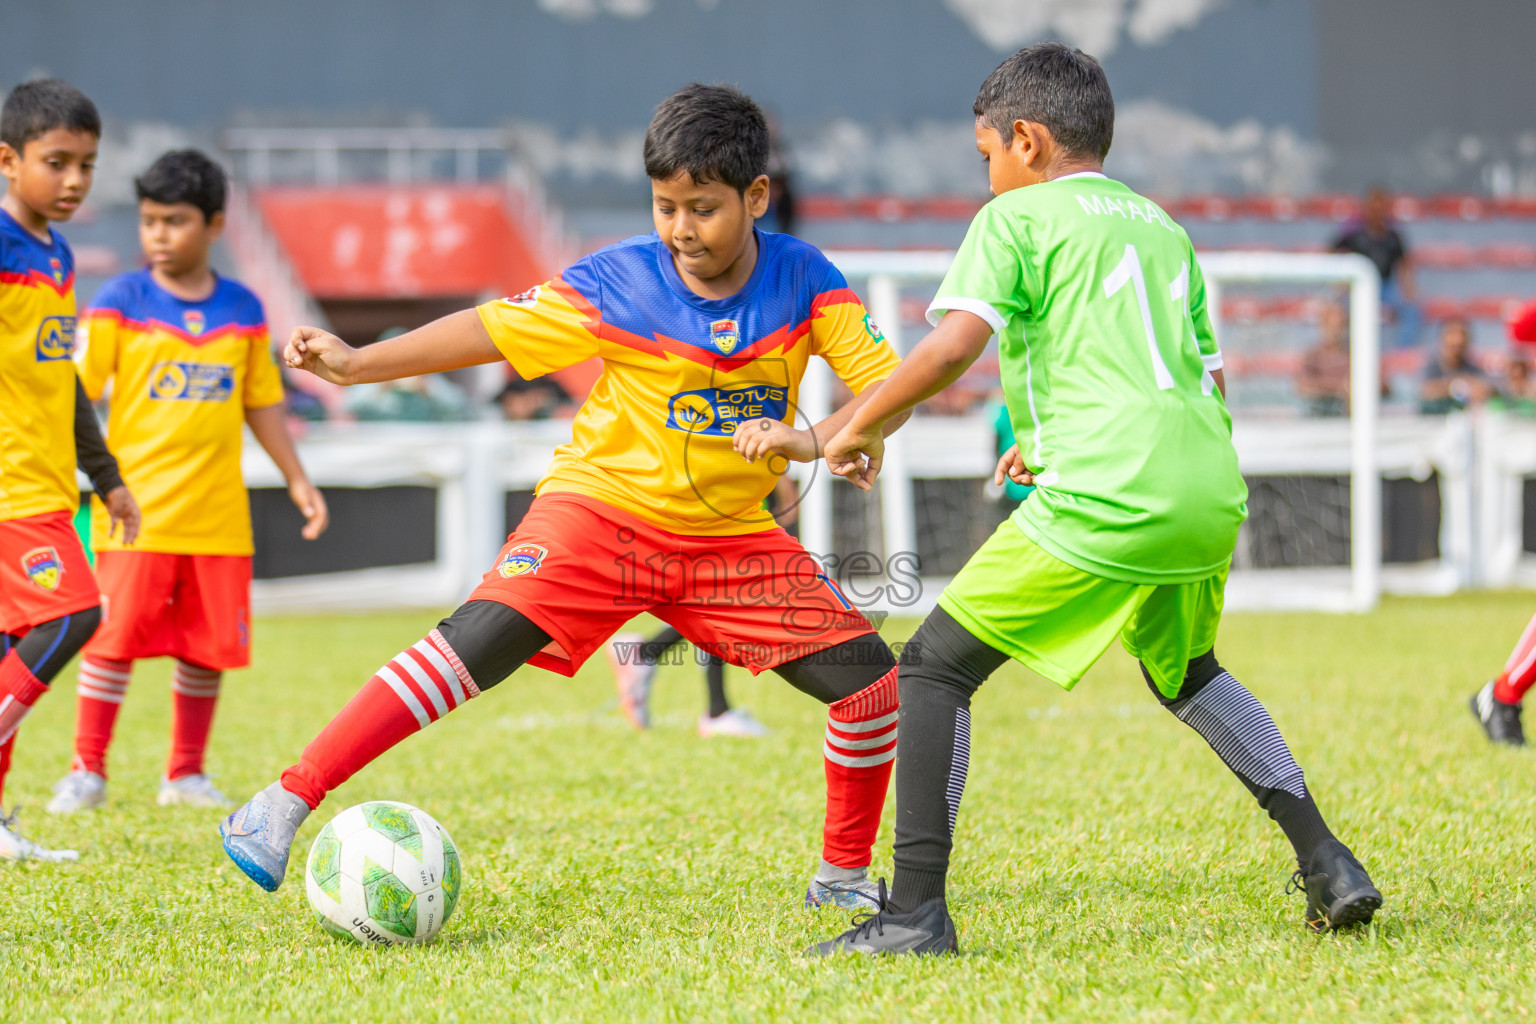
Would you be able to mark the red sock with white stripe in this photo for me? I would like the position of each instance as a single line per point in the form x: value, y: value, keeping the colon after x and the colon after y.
x: 1520, y: 672
x: 19, y: 690
x: 859, y: 753
x: 420, y: 685
x: 100, y: 688
x: 194, y: 695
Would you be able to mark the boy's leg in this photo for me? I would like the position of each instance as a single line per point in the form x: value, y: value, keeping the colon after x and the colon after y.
x: 472, y: 650
x: 139, y: 590
x: 1498, y: 704
x: 194, y: 698
x: 941, y: 667
x: 1242, y: 733
x: 856, y: 679
x: 26, y: 669
x: 100, y: 689
x: 1173, y: 624
x: 714, y: 686
x: 634, y: 660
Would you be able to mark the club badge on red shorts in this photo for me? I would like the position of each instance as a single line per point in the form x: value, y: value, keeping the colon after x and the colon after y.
x: 521, y: 560
x: 43, y: 567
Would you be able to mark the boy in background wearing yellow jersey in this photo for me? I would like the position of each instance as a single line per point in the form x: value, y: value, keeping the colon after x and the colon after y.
x: 49, y: 604
x: 190, y: 364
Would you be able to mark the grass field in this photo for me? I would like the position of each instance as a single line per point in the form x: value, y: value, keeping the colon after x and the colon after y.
x: 1109, y: 868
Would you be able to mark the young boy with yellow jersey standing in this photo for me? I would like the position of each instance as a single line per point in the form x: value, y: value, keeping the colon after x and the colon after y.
x: 189, y: 362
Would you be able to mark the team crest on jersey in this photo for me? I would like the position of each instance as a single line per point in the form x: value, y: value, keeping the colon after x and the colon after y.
x: 523, y: 300
x: 43, y: 567
x: 194, y: 321
x: 55, y: 339
x: 57, y: 268
x: 522, y: 560
x: 725, y: 334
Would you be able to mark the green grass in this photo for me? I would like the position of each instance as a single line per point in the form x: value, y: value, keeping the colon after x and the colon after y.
x: 1108, y: 867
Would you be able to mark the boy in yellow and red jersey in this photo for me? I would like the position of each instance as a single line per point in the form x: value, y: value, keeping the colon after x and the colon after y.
x: 189, y: 362
x: 49, y: 604
x: 704, y: 328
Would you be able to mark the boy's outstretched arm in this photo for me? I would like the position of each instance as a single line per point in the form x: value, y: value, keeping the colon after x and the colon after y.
x: 450, y: 343
x: 271, y: 430
x: 935, y: 364
x: 767, y: 436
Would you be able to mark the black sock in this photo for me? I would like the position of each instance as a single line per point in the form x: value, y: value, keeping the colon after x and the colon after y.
x: 941, y: 666
x: 714, y: 675
x: 1245, y: 737
x: 656, y: 648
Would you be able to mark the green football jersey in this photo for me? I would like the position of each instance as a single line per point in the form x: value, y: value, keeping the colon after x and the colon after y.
x: 1106, y: 351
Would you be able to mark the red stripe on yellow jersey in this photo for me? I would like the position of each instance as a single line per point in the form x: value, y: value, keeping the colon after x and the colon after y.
x: 681, y: 373
x: 180, y: 376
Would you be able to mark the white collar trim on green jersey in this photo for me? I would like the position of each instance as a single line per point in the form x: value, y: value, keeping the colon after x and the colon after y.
x: 1081, y: 174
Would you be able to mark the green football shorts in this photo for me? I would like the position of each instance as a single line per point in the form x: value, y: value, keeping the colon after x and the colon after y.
x: 1057, y: 619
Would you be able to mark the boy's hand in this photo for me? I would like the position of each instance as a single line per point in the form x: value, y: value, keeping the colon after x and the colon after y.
x: 322, y: 354
x: 756, y: 439
x: 307, y: 499
x: 121, y: 508
x: 855, y: 455
x: 1012, y: 467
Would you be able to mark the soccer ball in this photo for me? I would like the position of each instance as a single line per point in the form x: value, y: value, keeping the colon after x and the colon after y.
x: 383, y: 873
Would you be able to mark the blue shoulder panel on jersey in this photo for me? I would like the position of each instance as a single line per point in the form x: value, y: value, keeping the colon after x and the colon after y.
x: 137, y: 298
x: 635, y: 286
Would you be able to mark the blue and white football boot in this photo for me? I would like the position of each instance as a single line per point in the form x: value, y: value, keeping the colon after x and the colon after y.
x: 858, y: 895
x: 258, y: 836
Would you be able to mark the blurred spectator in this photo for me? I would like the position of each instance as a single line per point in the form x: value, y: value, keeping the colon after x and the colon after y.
x: 1451, y: 379
x: 539, y: 399
x: 1324, y: 379
x: 781, y: 191
x: 1519, y: 391
x: 301, y: 404
x: 1375, y: 237
x: 429, y: 399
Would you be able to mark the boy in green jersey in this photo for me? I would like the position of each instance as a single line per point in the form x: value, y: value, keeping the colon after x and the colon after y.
x: 1113, y: 381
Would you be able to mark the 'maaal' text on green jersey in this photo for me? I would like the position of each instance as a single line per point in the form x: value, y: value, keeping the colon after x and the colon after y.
x: 1106, y: 351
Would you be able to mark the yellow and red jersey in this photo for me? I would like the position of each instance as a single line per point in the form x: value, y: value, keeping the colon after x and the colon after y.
x: 37, y: 379
x: 681, y: 373
x: 182, y: 375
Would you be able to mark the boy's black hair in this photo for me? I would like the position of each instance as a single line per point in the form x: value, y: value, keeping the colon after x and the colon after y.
x: 1054, y: 85
x: 35, y: 108
x: 184, y: 176
x: 714, y: 132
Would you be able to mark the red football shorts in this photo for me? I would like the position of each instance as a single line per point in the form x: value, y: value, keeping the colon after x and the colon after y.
x: 44, y: 574
x: 580, y: 568
x: 193, y: 607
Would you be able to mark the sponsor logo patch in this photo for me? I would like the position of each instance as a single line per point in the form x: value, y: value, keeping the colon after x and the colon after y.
x: 43, y: 567
x: 55, y: 339
x: 523, y: 299
x: 873, y: 330
x: 718, y: 411
x: 192, y: 382
x: 521, y: 560
x: 194, y: 321
x: 725, y: 334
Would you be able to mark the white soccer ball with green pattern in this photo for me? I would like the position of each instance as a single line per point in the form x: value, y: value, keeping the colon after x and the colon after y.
x: 383, y: 873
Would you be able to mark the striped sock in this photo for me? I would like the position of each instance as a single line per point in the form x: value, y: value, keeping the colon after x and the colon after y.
x: 100, y: 688
x: 859, y: 753
x: 1520, y: 671
x: 419, y: 685
x: 19, y: 690
x: 194, y: 696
